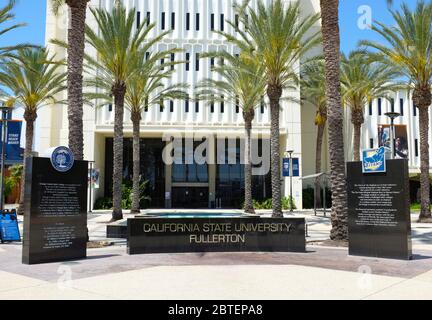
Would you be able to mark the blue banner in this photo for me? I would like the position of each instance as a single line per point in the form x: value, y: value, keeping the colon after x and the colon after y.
x: 14, y: 152
x: 9, y: 230
x: 374, y: 160
x: 286, y: 167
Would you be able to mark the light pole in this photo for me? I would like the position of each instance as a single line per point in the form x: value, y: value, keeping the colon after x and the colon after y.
x: 5, y: 118
x: 392, y: 116
x: 289, y: 153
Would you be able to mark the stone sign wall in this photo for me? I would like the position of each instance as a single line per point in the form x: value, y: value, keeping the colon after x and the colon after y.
x: 55, y: 221
x: 378, y: 211
x: 162, y: 235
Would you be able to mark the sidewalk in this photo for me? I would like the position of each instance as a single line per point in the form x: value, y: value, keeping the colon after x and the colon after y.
x: 321, y: 273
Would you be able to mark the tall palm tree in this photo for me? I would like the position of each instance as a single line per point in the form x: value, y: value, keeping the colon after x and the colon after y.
x: 408, y: 47
x: 243, y: 85
x: 331, y: 48
x: 32, y: 81
x: 313, y: 91
x: 75, y: 57
x: 120, y: 48
x: 277, y: 36
x: 363, y: 80
x: 145, y: 89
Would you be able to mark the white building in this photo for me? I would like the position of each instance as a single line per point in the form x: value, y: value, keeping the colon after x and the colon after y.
x: 212, y: 185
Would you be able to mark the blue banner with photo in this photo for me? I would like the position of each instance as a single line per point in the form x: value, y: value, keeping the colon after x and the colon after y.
x: 286, y: 167
x: 14, y: 152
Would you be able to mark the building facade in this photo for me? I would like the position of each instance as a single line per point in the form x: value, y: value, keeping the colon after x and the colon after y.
x: 216, y: 184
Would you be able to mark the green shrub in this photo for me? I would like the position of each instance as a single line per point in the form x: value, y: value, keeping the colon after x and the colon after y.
x: 104, y: 203
x: 267, y: 204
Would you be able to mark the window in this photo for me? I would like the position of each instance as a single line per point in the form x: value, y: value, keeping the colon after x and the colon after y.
x: 237, y: 20
x: 222, y: 105
x: 146, y: 105
x: 416, y: 147
x: 392, y: 105
x: 171, y: 106
x: 262, y: 106
x: 148, y: 18
x: 197, y: 22
x: 197, y: 61
x: 222, y: 22
x: 212, y: 62
x: 172, y: 60
x: 379, y: 106
x: 110, y: 108
x: 371, y: 143
x: 246, y: 21
x: 187, y: 105
x: 138, y: 20
x: 212, y: 25
x: 401, y: 106
x: 162, y: 63
x: 173, y: 21
x: 414, y: 111
x: 147, y: 55
x: 370, y: 108
x: 161, y: 106
x: 187, y: 60
x: 212, y: 107
x: 196, y: 107
x: 163, y: 21
x: 187, y: 21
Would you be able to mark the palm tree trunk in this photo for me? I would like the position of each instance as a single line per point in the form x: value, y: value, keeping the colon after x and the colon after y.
x: 425, y: 212
x: 357, y: 120
x: 357, y: 135
x: 136, y: 118
x: 274, y: 93
x: 318, y: 152
x: 331, y: 46
x: 119, y: 91
x: 75, y: 49
x: 248, y: 207
x: 30, y: 118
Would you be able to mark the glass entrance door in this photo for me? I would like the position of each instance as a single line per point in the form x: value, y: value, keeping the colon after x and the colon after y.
x: 190, y: 197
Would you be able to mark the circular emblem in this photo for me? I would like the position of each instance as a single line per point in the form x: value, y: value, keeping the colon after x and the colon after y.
x: 62, y: 159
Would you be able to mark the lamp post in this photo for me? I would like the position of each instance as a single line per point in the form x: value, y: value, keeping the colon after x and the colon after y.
x: 289, y: 153
x: 392, y: 116
x: 4, y: 120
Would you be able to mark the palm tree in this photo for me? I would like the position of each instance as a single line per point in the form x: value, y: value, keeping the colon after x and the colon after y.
x: 145, y: 89
x: 331, y: 48
x: 120, y: 48
x: 243, y: 85
x: 313, y: 91
x: 75, y: 57
x: 408, y: 47
x: 363, y: 80
x: 277, y: 36
x: 33, y: 80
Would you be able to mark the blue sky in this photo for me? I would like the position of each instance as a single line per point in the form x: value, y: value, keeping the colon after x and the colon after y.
x: 33, y: 13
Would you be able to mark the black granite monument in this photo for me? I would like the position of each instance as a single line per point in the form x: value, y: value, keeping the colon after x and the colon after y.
x: 379, y: 212
x: 252, y: 234
x: 55, y: 220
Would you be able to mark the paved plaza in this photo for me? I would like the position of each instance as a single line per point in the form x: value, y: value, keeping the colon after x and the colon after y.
x: 323, y: 272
